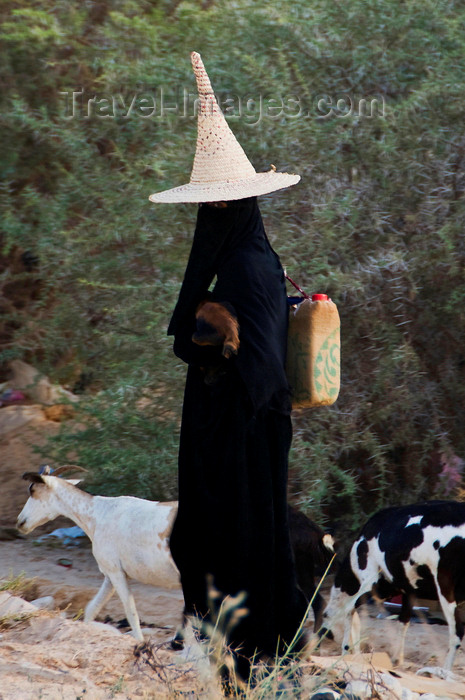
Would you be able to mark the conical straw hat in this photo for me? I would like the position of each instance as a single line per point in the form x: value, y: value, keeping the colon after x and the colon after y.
x: 221, y: 170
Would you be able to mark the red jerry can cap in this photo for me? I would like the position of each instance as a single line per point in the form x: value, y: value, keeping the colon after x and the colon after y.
x: 319, y: 297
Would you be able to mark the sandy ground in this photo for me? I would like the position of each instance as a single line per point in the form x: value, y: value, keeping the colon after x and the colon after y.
x: 53, y: 657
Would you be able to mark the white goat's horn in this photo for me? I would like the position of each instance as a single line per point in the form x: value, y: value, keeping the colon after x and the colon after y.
x: 68, y: 468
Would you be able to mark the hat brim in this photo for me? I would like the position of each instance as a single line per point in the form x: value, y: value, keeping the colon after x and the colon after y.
x: 261, y: 183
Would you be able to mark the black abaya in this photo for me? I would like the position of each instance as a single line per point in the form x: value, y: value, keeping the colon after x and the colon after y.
x: 236, y: 432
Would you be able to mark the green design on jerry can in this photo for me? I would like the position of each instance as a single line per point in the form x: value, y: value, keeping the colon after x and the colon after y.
x: 326, y: 371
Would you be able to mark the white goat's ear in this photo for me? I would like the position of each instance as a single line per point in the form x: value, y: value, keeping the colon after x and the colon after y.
x: 33, y: 478
x: 74, y: 482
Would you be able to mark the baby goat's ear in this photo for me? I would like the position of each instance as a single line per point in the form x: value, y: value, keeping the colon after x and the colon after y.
x: 33, y: 478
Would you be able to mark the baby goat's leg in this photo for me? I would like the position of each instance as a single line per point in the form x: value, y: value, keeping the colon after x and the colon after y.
x: 98, y: 601
x: 120, y: 584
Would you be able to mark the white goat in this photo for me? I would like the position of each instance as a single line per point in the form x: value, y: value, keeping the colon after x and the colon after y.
x: 129, y: 535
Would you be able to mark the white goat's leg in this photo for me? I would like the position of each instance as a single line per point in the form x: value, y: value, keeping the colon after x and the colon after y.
x: 94, y: 606
x: 401, y: 648
x: 120, y: 584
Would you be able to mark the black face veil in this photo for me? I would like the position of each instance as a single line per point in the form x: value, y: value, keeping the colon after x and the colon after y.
x: 231, y: 243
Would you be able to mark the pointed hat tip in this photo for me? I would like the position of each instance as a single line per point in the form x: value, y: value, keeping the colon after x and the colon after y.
x: 196, y: 60
x: 203, y: 81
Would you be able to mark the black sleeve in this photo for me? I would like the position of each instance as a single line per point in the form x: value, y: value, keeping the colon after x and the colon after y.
x: 210, y: 235
x: 191, y: 353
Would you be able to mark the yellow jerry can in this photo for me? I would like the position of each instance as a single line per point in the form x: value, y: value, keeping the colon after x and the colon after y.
x: 313, y: 365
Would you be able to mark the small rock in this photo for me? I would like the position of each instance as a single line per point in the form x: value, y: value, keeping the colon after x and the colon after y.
x: 106, y: 628
x: 12, y: 605
x: 46, y: 602
x: 43, y: 628
x: 438, y: 672
x: 384, y: 689
x: 393, y: 684
x: 59, y: 412
x: 16, y: 417
x: 359, y: 690
x: 326, y: 694
x: 36, y: 385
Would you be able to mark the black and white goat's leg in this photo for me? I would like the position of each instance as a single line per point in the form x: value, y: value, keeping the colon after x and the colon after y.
x: 405, y: 616
x: 177, y: 643
x: 103, y: 595
x: 456, y: 633
x: 456, y: 630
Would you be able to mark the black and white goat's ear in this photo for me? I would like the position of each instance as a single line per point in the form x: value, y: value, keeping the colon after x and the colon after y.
x: 33, y: 478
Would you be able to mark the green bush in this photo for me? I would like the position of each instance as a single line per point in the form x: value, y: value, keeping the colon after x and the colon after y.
x: 376, y: 222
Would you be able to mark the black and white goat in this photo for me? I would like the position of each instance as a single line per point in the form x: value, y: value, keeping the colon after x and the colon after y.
x: 416, y: 550
x: 130, y: 536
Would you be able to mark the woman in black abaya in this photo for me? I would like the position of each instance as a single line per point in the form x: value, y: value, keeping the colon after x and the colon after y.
x: 232, y: 529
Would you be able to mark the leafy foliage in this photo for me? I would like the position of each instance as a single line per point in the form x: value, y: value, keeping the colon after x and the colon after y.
x: 376, y: 222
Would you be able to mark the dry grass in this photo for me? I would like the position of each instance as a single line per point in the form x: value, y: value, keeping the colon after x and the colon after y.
x: 205, y: 663
x: 18, y: 585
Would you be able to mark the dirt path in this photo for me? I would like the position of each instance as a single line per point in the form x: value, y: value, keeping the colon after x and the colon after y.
x: 50, y: 657
x: 73, y: 587
x: 53, y: 658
